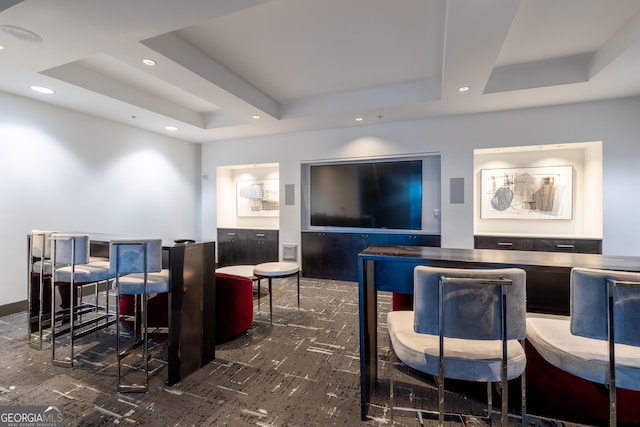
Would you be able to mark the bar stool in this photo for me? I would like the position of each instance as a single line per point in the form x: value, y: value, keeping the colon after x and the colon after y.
x: 137, y: 265
x: 73, y: 269
x: 38, y: 270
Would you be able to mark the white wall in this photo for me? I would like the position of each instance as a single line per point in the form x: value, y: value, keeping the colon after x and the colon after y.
x: 67, y: 171
x: 614, y: 122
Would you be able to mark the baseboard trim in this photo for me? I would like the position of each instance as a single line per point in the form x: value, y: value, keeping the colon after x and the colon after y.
x: 14, y: 307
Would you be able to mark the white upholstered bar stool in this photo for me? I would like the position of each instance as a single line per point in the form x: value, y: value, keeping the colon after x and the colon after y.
x: 466, y: 325
x: 38, y: 270
x: 137, y: 265
x: 73, y: 269
x: 600, y: 340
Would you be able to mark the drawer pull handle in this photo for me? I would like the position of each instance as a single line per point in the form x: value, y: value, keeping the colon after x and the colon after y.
x: 505, y: 244
x: 260, y: 234
x: 231, y: 234
x: 564, y: 246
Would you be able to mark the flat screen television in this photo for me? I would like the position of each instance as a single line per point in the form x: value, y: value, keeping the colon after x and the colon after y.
x: 384, y: 194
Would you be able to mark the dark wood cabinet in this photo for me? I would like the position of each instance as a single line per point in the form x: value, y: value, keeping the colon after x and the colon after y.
x: 334, y: 255
x: 539, y: 244
x: 237, y: 246
x: 547, y: 289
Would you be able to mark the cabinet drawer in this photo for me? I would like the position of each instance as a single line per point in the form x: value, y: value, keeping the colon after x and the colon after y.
x: 584, y: 246
x: 504, y: 243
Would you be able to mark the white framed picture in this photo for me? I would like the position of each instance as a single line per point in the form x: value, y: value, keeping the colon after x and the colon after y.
x: 258, y: 198
x: 527, y: 193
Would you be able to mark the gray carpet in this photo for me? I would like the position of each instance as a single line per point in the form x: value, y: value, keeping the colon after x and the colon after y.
x: 301, y: 371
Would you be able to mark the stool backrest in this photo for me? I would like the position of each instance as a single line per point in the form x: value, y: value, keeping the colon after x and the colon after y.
x: 41, y: 243
x: 128, y: 256
x: 63, y: 245
x: 589, y: 304
x: 472, y: 310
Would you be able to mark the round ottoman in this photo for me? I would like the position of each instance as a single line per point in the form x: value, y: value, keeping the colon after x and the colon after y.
x: 234, y: 305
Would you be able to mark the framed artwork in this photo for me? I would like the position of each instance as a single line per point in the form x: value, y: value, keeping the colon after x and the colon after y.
x: 527, y: 193
x: 258, y: 198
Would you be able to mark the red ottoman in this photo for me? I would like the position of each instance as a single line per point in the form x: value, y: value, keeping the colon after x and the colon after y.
x: 234, y: 305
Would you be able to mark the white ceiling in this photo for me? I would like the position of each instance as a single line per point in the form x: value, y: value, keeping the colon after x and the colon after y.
x: 311, y: 64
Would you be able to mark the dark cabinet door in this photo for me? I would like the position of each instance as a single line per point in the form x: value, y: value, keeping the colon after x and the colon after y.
x: 335, y: 258
x: 585, y: 246
x: 312, y: 244
x: 262, y: 246
x: 358, y: 242
x: 504, y: 243
x: 229, y: 247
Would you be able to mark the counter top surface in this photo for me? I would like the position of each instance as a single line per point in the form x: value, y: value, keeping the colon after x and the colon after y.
x: 492, y: 256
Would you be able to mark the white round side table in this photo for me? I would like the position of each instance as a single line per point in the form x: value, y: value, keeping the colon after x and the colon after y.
x: 270, y: 270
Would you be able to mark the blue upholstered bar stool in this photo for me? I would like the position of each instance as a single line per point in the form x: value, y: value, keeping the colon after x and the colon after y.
x: 466, y: 325
x: 137, y: 265
x: 600, y: 340
x: 73, y: 269
x: 38, y: 269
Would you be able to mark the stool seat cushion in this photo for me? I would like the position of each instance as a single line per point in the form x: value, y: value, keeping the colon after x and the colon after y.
x: 133, y: 284
x: 85, y: 273
x: 584, y: 357
x: 421, y: 351
x: 234, y: 305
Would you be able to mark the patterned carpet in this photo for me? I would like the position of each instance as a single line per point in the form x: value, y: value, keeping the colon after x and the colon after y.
x: 301, y: 371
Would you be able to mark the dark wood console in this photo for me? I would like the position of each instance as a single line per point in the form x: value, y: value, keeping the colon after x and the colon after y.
x: 237, y: 246
x: 334, y: 255
x: 539, y: 244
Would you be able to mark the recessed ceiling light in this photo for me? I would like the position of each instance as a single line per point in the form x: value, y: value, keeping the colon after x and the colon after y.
x: 1, y: 47
x: 359, y: 119
x: 463, y: 88
x: 148, y: 61
x: 171, y: 128
x: 256, y: 116
x: 42, y: 89
x: 21, y: 33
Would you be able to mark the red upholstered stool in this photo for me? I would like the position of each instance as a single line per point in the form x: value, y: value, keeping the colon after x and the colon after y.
x: 400, y: 302
x: 234, y: 305
x: 158, y: 308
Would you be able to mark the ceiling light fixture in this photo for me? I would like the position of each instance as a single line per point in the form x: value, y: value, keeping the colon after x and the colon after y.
x: 256, y: 116
x: 359, y: 119
x: 1, y: 47
x: 148, y: 61
x: 463, y: 88
x: 172, y: 128
x: 21, y: 33
x: 42, y: 89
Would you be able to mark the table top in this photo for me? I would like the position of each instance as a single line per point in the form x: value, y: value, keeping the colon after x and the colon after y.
x: 238, y: 270
x: 276, y: 269
x: 501, y: 257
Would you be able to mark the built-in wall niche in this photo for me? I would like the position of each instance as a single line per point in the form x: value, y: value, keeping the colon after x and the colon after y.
x: 575, y: 170
x: 248, y: 196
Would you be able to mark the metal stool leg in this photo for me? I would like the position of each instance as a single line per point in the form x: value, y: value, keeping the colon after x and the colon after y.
x: 298, y: 289
x: 270, y: 303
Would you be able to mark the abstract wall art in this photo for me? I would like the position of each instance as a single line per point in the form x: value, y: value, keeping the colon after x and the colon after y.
x: 527, y: 193
x: 258, y: 198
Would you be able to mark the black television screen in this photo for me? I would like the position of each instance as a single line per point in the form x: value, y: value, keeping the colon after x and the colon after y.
x: 367, y: 195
